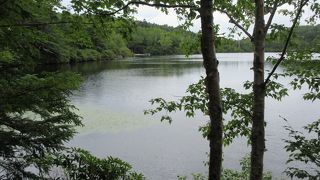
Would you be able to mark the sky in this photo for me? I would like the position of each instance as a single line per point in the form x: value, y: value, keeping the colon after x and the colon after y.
x: 152, y: 15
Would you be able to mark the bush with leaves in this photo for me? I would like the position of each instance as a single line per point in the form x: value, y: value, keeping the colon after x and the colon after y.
x: 230, y: 174
x: 244, y: 173
x: 80, y: 164
x: 36, y: 117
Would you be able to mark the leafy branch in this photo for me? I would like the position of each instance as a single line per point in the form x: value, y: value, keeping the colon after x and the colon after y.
x: 237, y: 104
x: 158, y: 5
x: 272, y: 13
x: 236, y: 23
x: 41, y: 24
x: 305, y: 150
x: 284, y: 51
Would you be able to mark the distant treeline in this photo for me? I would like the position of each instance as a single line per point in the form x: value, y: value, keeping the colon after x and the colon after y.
x: 304, y: 37
x: 67, y: 43
x: 160, y: 39
x: 163, y: 40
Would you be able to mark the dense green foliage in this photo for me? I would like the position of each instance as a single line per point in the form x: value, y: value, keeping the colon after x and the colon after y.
x: 160, y: 40
x: 80, y: 39
x: 69, y: 38
x: 165, y: 40
x: 76, y: 43
x: 85, y: 43
x: 36, y: 117
x: 80, y: 164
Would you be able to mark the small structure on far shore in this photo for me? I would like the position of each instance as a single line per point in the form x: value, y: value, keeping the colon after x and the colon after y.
x: 142, y: 55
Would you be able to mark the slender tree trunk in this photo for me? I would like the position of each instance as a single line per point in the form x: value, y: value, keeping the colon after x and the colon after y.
x: 257, y: 138
x: 212, y: 85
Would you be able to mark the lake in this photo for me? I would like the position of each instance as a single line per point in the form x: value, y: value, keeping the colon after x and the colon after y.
x: 115, y: 93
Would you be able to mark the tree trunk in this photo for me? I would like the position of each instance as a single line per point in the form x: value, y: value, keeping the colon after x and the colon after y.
x: 212, y: 85
x: 257, y: 138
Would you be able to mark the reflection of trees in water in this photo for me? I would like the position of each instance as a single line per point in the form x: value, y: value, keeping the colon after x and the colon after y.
x: 234, y: 64
x: 155, y: 66
x: 161, y: 68
x: 164, y: 65
x: 151, y: 66
x: 170, y: 69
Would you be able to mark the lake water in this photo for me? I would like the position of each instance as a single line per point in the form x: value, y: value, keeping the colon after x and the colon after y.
x: 115, y: 93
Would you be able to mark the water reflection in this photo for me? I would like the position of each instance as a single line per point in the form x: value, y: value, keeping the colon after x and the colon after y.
x: 115, y: 93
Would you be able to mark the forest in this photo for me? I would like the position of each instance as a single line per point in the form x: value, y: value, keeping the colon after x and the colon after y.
x: 70, y: 42
x: 38, y: 118
x: 164, y: 40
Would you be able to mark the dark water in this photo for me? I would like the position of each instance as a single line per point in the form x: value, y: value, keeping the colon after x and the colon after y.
x: 114, y: 95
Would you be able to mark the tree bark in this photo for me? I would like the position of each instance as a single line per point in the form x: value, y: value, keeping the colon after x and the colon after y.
x: 257, y: 137
x: 213, y: 88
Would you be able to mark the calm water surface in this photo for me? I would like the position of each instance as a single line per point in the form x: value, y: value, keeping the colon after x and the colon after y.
x: 114, y: 94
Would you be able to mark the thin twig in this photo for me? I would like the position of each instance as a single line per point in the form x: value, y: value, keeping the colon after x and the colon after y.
x: 104, y: 14
x: 302, y: 4
x: 39, y: 24
x: 233, y: 21
x: 272, y: 13
x: 151, y: 5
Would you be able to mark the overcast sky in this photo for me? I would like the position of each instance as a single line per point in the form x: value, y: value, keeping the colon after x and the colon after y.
x: 153, y: 15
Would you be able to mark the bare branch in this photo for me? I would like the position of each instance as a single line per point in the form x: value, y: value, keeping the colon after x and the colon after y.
x: 302, y: 4
x: 233, y: 21
x: 272, y: 13
x: 39, y: 24
x: 104, y: 13
x: 46, y: 24
x: 151, y: 5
